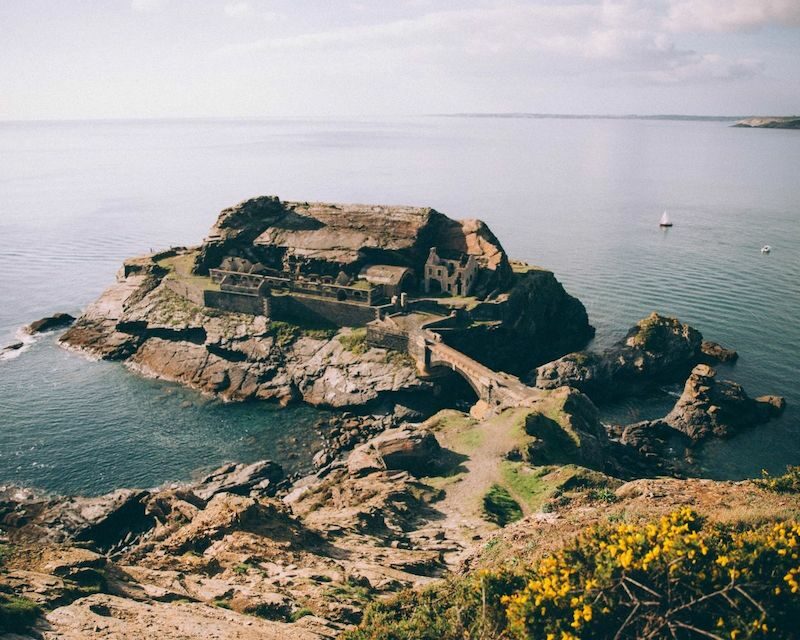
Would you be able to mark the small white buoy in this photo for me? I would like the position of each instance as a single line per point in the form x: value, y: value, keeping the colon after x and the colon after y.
x: 766, y: 249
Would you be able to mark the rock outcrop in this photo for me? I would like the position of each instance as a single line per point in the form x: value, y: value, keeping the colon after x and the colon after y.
x: 56, y: 321
x: 540, y: 321
x: 710, y: 407
x: 707, y: 408
x: 267, y: 231
x: 657, y: 348
x: 235, y: 356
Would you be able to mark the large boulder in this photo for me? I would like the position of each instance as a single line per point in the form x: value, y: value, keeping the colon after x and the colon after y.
x: 541, y: 321
x: 402, y: 449
x: 720, y: 408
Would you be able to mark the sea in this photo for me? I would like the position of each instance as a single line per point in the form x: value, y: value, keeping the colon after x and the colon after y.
x: 582, y: 197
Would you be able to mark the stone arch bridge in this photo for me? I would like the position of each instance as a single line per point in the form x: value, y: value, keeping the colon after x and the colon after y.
x: 498, y: 390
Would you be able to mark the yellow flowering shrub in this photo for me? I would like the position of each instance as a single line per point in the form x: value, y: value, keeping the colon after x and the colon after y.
x: 673, y: 578
x: 678, y: 577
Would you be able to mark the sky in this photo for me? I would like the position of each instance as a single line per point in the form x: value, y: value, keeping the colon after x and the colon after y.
x: 65, y: 59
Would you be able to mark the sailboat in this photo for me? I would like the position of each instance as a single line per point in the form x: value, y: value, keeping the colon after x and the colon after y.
x: 665, y: 221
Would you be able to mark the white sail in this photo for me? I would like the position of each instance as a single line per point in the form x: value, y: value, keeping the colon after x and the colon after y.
x: 665, y: 221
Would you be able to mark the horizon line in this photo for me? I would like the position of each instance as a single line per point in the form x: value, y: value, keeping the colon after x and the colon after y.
x: 464, y: 114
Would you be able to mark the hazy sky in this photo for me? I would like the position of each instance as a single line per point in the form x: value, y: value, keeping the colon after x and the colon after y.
x: 153, y: 58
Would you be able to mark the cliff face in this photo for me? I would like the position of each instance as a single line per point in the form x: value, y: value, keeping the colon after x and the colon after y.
x: 541, y: 322
x: 328, y: 237
x: 140, y: 320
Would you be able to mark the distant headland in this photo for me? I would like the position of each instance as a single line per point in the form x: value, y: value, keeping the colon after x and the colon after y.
x: 760, y: 122
x: 782, y: 122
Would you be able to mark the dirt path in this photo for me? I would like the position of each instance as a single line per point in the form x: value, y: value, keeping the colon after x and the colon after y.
x: 485, y: 446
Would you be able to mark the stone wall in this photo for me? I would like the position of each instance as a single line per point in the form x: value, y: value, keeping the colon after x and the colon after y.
x: 380, y: 336
x: 237, y: 302
x: 295, y: 307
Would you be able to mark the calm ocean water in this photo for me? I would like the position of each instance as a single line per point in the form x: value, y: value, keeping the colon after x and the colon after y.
x: 582, y: 197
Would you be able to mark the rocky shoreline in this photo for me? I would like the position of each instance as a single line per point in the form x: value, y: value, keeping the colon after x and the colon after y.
x: 406, y: 490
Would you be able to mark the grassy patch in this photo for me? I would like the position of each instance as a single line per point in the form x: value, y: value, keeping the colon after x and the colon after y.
x: 470, y: 438
x: 302, y: 612
x: 526, y: 483
x: 400, y: 359
x: 355, y: 341
x: 603, y: 494
x: 500, y: 507
x: 17, y: 613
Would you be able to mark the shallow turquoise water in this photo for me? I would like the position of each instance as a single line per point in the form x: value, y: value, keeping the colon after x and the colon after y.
x: 582, y: 197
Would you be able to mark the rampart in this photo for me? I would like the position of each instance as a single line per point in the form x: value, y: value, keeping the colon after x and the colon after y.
x: 301, y: 307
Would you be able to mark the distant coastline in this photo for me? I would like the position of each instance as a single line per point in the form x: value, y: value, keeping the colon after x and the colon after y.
x: 568, y: 116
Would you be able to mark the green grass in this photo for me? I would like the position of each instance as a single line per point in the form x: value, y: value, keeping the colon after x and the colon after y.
x: 526, y: 483
x: 302, y: 612
x: 470, y: 439
x: 603, y: 494
x: 499, y: 507
x: 355, y: 341
x: 17, y: 613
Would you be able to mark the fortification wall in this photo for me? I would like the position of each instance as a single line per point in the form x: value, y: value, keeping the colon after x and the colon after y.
x: 300, y: 307
x: 379, y: 336
x: 236, y: 302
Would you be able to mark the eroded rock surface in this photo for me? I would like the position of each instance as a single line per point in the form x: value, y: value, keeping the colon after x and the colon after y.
x: 267, y: 230
x: 234, y: 356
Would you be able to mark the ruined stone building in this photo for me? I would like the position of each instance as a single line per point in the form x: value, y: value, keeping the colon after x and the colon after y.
x: 454, y: 275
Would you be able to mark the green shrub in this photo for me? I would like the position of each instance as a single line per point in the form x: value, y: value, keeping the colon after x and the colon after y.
x: 355, y: 341
x: 284, y: 333
x: 789, y: 482
x: 302, y: 612
x: 500, y: 507
x: 677, y: 577
x: 16, y: 613
x: 603, y: 494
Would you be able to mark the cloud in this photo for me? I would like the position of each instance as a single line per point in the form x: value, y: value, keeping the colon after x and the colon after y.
x: 146, y: 6
x: 731, y: 15
x: 624, y: 40
x: 237, y: 9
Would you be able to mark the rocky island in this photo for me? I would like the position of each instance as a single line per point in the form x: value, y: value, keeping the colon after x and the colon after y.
x: 415, y: 518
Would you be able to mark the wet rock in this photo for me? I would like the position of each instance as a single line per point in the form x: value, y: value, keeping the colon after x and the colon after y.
x: 14, y: 346
x: 717, y: 353
x: 56, y: 321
